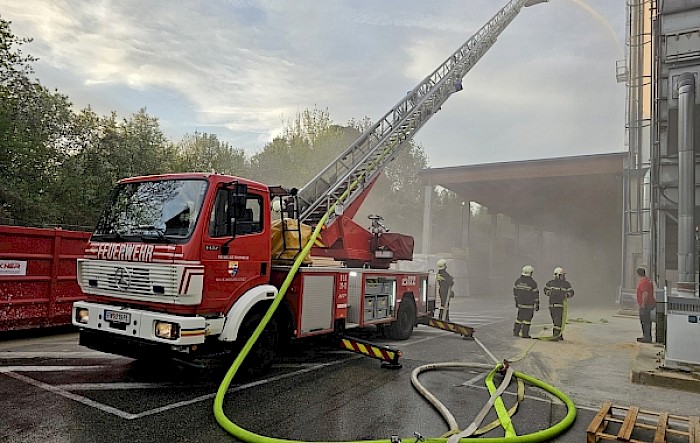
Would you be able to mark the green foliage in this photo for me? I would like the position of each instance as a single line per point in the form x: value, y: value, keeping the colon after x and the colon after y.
x: 206, y: 153
x: 308, y: 143
x: 311, y: 141
x: 59, y: 165
x: 143, y: 149
x: 398, y: 194
x: 33, y: 123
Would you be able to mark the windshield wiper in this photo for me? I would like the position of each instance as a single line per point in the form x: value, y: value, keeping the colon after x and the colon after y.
x: 160, y: 233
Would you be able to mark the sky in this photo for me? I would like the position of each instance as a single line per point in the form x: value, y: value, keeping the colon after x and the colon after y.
x: 242, y: 69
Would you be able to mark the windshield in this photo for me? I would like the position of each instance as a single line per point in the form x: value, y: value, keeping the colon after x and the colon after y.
x: 165, y: 211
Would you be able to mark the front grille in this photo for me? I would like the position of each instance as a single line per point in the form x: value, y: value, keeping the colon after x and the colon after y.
x: 120, y: 278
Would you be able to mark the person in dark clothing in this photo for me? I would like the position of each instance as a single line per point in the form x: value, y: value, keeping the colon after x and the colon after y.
x: 558, y: 290
x: 527, y: 300
x: 445, y: 282
x: 646, y: 302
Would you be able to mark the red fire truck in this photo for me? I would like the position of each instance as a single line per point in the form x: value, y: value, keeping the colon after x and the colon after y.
x: 186, y: 265
x: 182, y: 264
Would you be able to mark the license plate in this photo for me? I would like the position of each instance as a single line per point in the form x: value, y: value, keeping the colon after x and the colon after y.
x: 117, y: 317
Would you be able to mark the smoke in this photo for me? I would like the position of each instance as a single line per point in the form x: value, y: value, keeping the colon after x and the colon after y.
x: 493, y: 249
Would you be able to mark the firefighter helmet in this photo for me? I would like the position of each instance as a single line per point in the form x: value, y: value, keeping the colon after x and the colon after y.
x: 528, y: 270
x: 558, y: 272
x: 442, y: 263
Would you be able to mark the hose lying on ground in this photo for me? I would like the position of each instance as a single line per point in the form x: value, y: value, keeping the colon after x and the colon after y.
x: 251, y: 437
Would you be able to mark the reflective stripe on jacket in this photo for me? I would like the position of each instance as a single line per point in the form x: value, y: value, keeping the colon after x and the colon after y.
x: 557, y: 291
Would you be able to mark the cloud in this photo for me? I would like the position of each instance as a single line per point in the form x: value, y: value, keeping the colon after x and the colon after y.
x: 243, y: 68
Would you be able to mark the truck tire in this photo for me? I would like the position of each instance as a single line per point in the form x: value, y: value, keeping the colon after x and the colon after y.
x: 402, y: 328
x: 266, y: 348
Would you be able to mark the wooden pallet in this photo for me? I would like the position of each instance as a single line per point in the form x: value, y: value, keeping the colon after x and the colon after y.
x: 635, y: 425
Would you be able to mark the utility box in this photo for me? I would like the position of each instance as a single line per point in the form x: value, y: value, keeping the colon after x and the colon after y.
x: 682, y: 332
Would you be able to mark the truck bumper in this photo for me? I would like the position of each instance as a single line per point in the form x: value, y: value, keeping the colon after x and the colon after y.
x: 161, y: 330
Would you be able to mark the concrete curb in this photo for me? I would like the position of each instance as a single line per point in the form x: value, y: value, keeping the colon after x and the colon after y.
x: 667, y: 379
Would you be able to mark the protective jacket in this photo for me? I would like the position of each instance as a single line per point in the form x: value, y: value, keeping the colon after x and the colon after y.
x: 526, y: 292
x: 557, y: 291
x: 445, y: 281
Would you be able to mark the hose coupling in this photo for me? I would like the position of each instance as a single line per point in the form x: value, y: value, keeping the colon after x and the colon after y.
x: 504, y: 367
x: 419, y: 437
x: 395, y: 439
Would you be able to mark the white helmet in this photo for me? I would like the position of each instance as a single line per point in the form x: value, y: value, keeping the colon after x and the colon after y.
x: 558, y: 272
x: 527, y: 271
x: 442, y: 263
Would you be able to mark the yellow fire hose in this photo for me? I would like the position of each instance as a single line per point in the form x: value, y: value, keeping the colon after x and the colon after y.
x: 251, y: 437
x: 511, y: 437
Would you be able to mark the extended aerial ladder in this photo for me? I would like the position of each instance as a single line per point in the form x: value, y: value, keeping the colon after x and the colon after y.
x: 356, y: 168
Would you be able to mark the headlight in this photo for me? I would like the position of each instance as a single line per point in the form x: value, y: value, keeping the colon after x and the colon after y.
x: 167, y: 330
x: 82, y: 315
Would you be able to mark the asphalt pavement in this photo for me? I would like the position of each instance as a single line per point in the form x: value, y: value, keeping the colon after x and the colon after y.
x: 51, y: 389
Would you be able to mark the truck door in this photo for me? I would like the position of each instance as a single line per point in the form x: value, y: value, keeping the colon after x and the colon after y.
x: 247, y: 262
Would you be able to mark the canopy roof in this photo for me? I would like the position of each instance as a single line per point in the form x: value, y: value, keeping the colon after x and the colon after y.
x: 580, y: 195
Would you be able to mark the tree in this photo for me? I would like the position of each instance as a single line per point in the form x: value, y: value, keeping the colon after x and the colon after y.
x: 206, y: 153
x: 143, y: 149
x: 308, y: 143
x: 58, y: 165
x: 88, y: 171
x: 33, y: 126
x: 311, y: 141
x: 398, y: 193
x: 102, y: 150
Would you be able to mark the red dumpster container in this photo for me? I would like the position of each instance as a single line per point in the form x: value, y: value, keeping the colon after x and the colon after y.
x: 38, y: 284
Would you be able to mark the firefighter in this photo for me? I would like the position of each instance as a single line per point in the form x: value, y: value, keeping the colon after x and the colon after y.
x: 445, y: 282
x: 558, y: 290
x: 527, y: 300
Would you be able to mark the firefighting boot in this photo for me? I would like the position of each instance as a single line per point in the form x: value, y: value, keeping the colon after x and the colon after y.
x: 525, y: 331
x: 516, y: 329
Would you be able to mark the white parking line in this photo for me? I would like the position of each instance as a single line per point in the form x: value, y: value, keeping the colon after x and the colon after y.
x: 117, y: 386
x: 64, y: 390
x: 474, y: 379
x: 10, y: 355
x: 70, y: 395
x: 242, y: 387
x: 476, y: 320
x: 6, y: 369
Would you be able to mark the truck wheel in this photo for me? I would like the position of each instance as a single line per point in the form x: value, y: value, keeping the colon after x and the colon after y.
x: 264, y: 351
x: 402, y: 328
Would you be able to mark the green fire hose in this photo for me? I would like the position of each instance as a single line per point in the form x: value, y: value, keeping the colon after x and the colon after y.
x: 251, y: 437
